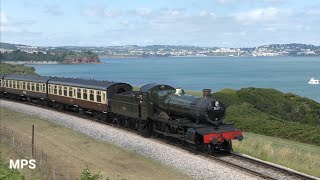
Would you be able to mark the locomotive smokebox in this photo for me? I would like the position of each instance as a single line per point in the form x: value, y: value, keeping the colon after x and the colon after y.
x: 206, y: 93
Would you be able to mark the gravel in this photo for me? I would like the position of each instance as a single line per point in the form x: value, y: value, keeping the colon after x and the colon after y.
x: 194, y: 166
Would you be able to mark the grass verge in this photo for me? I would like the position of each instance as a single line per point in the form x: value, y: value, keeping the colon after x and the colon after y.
x: 72, y: 150
x: 298, y: 156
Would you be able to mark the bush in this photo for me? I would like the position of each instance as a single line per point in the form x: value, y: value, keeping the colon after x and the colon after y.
x: 16, y: 69
x: 273, y: 113
x: 6, y: 173
x: 86, y: 175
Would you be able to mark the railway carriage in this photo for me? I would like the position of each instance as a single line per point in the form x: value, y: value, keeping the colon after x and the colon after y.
x: 26, y: 87
x: 90, y: 95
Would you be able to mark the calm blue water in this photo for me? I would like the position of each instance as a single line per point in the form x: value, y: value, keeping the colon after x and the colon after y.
x: 287, y: 74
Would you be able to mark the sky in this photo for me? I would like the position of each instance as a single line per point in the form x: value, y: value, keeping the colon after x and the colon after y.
x: 207, y: 23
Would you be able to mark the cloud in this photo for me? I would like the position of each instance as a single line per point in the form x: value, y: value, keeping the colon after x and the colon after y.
x: 143, y: 11
x: 172, y: 12
x: 302, y: 27
x: 53, y: 10
x: 3, y: 19
x: 93, y: 11
x: 225, y: 1
x: 99, y: 11
x: 270, y: 29
x: 111, y: 13
x: 5, y: 25
x: 259, y: 15
x: 243, y: 33
x: 274, y: 1
x: 313, y: 12
x: 207, y: 14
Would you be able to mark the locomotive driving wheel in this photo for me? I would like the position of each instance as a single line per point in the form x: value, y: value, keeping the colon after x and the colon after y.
x: 155, y: 129
x: 167, y: 131
x: 208, y: 149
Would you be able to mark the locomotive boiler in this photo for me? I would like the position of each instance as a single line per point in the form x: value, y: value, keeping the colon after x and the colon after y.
x: 175, y: 103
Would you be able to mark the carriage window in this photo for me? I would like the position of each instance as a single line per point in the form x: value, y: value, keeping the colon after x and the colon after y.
x: 70, y: 92
x: 55, y: 89
x: 9, y: 84
x: 91, y: 95
x: 42, y: 87
x: 85, y: 94
x: 28, y: 86
x: 18, y: 84
x: 79, y: 93
x: 24, y: 85
x: 32, y: 86
x: 65, y: 91
x: 14, y: 84
x: 37, y: 87
x: 60, y: 90
x: 99, y: 96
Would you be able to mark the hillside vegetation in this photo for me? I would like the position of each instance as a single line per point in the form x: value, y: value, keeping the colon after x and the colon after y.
x: 62, y: 56
x: 273, y: 113
x: 16, y: 69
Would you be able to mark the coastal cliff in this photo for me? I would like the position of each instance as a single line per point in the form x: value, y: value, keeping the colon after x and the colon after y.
x: 81, y: 60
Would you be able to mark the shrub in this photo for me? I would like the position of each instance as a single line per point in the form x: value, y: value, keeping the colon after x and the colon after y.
x: 273, y: 113
x: 6, y: 173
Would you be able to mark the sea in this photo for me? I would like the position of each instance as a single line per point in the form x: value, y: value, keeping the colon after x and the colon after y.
x: 287, y: 74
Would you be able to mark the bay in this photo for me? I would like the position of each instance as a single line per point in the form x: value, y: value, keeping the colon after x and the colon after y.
x: 287, y: 74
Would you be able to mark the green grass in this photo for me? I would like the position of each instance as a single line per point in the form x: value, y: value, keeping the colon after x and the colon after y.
x: 298, y: 156
x: 71, y: 150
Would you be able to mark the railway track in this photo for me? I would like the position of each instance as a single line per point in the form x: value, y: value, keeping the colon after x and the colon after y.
x: 242, y: 162
x: 257, y: 167
x: 273, y: 171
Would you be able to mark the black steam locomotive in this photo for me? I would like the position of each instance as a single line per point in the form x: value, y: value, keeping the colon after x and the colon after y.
x: 156, y: 109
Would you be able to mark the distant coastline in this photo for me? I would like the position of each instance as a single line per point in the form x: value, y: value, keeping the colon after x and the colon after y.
x: 43, y: 62
x: 120, y: 57
x: 83, y: 55
x: 31, y: 62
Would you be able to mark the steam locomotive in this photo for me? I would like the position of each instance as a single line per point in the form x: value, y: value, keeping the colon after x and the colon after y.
x: 155, y: 109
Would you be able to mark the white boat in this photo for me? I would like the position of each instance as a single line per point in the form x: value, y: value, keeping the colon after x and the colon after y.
x: 314, y: 81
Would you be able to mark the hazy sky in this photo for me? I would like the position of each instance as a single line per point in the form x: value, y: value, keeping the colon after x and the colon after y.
x: 234, y: 23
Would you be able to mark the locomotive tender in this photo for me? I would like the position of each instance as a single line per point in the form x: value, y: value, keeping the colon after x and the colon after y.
x: 156, y: 109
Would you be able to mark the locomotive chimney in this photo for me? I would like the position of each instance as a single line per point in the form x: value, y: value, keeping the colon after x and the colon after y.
x: 206, y: 93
